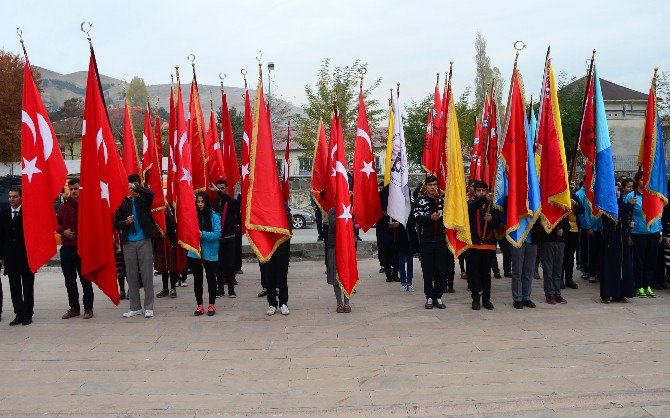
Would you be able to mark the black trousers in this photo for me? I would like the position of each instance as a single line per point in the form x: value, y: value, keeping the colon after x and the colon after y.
x: 226, y: 265
x: 450, y: 268
x: 571, y: 245
x: 645, y: 251
x: 70, y: 264
x: 505, y: 249
x: 238, y: 252
x: 210, y: 272
x: 318, y: 219
x: 584, y: 251
x: 389, y: 256
x: 594, y: 254
x: 275, y: 274
x: 21, y: 286
x: 479, y: 273
x: 433, y: 254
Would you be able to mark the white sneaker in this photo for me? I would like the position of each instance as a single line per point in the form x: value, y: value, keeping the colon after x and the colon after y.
x: 132, y: 313
x: 284, y: 310
x: 184, y: 284
x: 271, y: 310
x: 148, y: 313
x: 410, y: 288
x: 403, y: 288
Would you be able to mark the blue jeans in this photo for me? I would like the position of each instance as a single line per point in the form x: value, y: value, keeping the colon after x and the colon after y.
x: 406, y: 258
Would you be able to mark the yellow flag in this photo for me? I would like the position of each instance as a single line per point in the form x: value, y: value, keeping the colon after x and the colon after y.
x: 389, y: 147
x: 455, y: 216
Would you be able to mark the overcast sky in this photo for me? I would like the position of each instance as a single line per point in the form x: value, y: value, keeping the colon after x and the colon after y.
x: 402, y: 41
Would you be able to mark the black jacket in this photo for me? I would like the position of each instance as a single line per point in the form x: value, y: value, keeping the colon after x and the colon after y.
x: 552, y: 236
x: 476, y: 211
x: 143, y: 209
x: 12, y: 244
x: 229, y: 222
x: 429, y: 230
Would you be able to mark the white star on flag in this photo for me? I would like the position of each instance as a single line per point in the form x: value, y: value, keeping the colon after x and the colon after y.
x: 245, y: 171
x: 30, y: 168
x: 367, y: 168
x: 186, y: 176
x: 104, y: 192
x: 346, y: 213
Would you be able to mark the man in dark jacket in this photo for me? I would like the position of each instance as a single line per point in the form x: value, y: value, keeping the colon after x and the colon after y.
x: 229, y: 210
x: 133, y: 219
x: 70, y: 263
x: 483, y: 249
x: 13, y: 256
x: 432, y: 242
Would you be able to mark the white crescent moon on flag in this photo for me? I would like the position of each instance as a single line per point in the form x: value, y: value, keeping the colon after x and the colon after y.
x: 364, y: 135
x: 47, y: 138
x: 99, y: 140
x: 339, y: 168
x: 182, y: 141
x: 145, y: 144
x: 25, y: 118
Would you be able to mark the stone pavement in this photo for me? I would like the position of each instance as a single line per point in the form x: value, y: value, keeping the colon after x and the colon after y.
x: 389, y: 357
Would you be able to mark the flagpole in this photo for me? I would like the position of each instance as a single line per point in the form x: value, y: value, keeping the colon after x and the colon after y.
x: 575, y: 154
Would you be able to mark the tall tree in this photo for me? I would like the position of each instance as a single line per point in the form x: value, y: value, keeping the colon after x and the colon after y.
x: 570, y: 95
x: 465, y: 113
x: 344, y: 81
x: 11, y: 90
x: 71, y: 108
x: 137, y: 92
x: 485, y: 74
x: 414, y: 121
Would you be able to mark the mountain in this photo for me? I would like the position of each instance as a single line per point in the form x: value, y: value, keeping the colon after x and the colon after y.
x: 57, y: 88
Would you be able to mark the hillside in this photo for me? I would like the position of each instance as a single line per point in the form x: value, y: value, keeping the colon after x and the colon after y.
x: 56, y: 88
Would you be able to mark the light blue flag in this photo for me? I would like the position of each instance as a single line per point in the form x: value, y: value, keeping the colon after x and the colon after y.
x: 603, y: 183
x: 526, y: 224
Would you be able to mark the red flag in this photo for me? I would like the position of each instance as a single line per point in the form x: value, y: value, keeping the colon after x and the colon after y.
x: 285, y: 188
x: 587, y: 142
x: 214, y: 153
x: 230, y: 167
x: 475, y: 162
x: 367, y: 207
x: 267, y: 226
x: 439, y: 140
x: 159, y: 146
x: 172, y: 142
x: 491, y: 167
x: 515, y: 156
x: 483, y: 171
x: 329, y: 193
x: 129, y: 150
x: 42, y: 176
x: 427, y: 155
x: 320, y: 172
x: 248, y: 129
x: 104, y: 184
x: 437, y: 118
x: 188, y: 231
x: 197, y: 139
x: 345, y: 245
x: 151, y: 173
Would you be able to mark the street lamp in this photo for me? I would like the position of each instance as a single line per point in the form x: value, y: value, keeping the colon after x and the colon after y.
x: 271, y: 67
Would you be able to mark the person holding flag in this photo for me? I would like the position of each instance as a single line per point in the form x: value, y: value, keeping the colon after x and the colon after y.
x: 482, y: 224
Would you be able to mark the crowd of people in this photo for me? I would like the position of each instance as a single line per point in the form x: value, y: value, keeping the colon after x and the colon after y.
x: 627, y: 256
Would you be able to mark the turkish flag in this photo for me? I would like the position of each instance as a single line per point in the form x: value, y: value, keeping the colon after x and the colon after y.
x: 172, y: 140
x: 475, y: 161
x: 230, y: 167
x: 104, y: 185
x: 437, y: 123
x: 345, y: 244
x: 427, y: 155
x: 129, y: 149
x: 320, y: 172
x: 491, y: 167
x: 159, y: 145
x: 267, y: 226
x: 482, y: 171
x: 214, y: 154
x: 515, y: 156
x: 329, y: 193
x: 188, y: 231
x: 248, y: 129
x: 285, y: 187
x: 43, y: 175
x: 439, y: 140
x: 151, y: 173
x: 197, y: 139
x: 367, y: 207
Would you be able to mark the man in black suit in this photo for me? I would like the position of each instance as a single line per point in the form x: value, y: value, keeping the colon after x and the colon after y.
x: 13, y: 256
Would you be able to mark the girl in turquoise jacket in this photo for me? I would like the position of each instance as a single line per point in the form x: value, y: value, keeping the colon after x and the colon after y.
x: 210, y: 231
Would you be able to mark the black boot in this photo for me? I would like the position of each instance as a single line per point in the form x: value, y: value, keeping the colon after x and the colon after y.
x: 486, y: 301
x: 475, y: 302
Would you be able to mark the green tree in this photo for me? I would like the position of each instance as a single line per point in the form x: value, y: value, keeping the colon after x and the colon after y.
x: 73, y: 107
x: 137, y: 92
x: 237, y: 123
x: 414, y: 125
x: 485, y: 74
x: 465, y: 114
x: 344, y: 81
x: 570, y: 95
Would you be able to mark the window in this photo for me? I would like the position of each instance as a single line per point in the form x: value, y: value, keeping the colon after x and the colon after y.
x: 305, y: 166
x: 378, y: 164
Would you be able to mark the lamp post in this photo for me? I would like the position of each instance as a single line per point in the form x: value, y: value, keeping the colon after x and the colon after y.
x: 271, y: 67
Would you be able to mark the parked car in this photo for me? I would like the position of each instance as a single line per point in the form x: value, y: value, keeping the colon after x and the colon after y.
x: 302, y: 218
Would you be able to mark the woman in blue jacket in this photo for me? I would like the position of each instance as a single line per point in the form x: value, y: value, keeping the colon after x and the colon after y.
x: 209, y: 223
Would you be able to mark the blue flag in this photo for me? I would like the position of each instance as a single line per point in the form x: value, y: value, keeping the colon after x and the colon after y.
x: 604, y: 184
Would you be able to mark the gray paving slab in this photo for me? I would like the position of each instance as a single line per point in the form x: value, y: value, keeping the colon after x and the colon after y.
x: 389, y: 357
